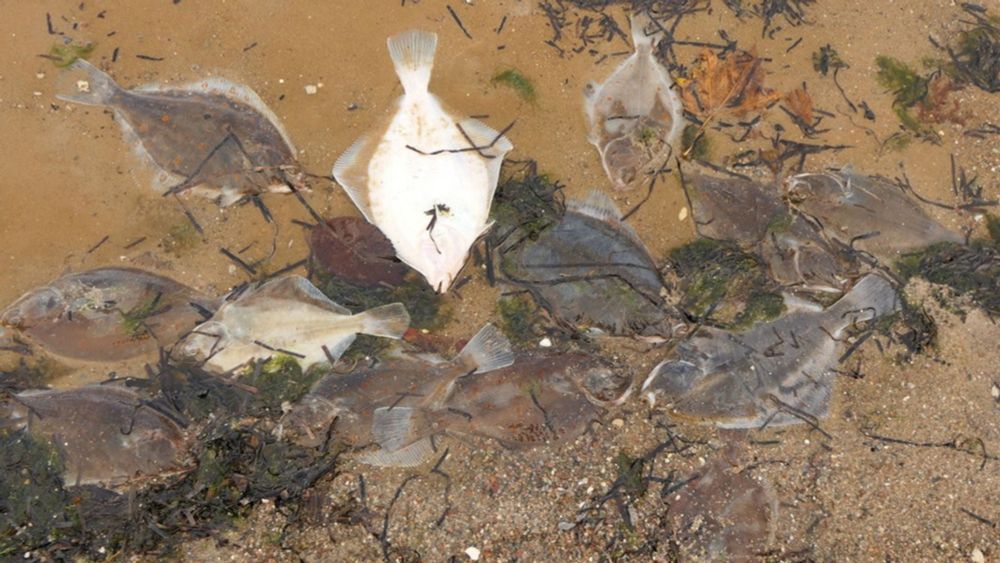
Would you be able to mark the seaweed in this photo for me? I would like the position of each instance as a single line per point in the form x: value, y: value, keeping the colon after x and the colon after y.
x: 63, y: 55
x: 791, y: 11
x: 181, y: 237
x: 928, y: 94
x: 33, y: 503
x: 630, y: 474
x: 826, y: 59
x: 517, y: 81
x: 526, y: 202
x: 975, y: 54
x: 427, y: 308
x: 972, y: 271
x: 518, y: 316
x: 722, y: 285
x: 695, y: 143
x: 278, y: 380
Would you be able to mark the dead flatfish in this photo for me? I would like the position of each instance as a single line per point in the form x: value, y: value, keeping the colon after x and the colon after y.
x: 869, y: 213
x: 548, y: 398
x: 426, y: 176
x: 388, y: 404
x: 285, y: 315
x: 723, y: 514
x: 591, y: 270
x: 213, y: 136
x: 735, y: 208
x: 635, y: 115
x: 764, y: 374
x: 352, y: 249
x: 108, y: 314
x: 105, y: 433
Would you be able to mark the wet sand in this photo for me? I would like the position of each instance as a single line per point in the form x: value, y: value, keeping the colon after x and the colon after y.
x: 74, y: 197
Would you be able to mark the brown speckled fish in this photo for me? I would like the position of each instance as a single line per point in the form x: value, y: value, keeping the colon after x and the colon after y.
x: 107, y: 314
x: 104, y: 433
x: 214, y: 136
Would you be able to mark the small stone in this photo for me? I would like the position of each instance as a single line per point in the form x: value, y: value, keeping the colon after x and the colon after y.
x: 473, y: 553
x: 995, y: 392
x: 566, y: 526
x: 311, y: 89
x: 683, y: 214
x: 82, y: 86
x: 40, y: 75
x: 618, y: 423
x: 37, y: 93
x: 545, y: 342
x: 977, y: 556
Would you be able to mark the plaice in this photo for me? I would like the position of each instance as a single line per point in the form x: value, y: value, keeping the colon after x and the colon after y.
x: 426, y: 176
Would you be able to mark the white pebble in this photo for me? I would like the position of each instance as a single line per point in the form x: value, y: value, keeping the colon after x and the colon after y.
x: 40, y: 75
x: 995, y: 391
x: 977, y: 556
x: 311, y: 89
x: 545, y: 342
x: 473, y: 553
x: 618, y: 423
x: 683, y: 214
x: 82, y: 86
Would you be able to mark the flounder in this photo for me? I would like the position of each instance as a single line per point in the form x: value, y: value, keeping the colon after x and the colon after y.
x: 285, y: 315
x: 635, y: 115
x: 426, y: 176
x: 214, y: 136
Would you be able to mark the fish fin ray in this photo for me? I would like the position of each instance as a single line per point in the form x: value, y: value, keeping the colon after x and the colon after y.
x: 413, y: 455
x: 101, y: 87
x: 390, y: 321
x: 352, y: 175
x: 393, y: 427
x: 412, y: 54
x: 488, y: 350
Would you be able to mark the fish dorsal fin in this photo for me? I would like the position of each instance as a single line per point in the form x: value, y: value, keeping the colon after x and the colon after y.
x: 292, y: 288
x: 413, y: 455
x: 488, y: 350
x: 412, y: 54
x: 351, y: 172
x: 484, y: 136
x: 600, y: 206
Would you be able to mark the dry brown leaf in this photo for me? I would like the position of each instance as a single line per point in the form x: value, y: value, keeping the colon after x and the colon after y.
x: 733, y: 84
x: 938, y: 106
x: 801, y: 104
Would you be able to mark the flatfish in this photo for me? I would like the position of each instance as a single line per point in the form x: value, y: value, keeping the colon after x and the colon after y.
x: 285, y: 315
x: 773, y: 373
x: 542, y: 398
x: 591, y: 270
x: 425, y: 176
x: 635, y: 115
x: 105, y: 434
x: 387, y: 404
x: 355, y: 251
x: 869, y: 213
x: 108, y: 314
x: 214, y: 136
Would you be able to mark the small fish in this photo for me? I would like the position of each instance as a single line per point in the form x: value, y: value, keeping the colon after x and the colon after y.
x: 635, y: 115
x: 214, y: 136
x: 107, y: 314
x: 105, y: 434
x: 771, y: 372
x: 376, y: 405
x: 425, y: 177
x: 542, y: 398
x: 868, y: 213
x: 735, y: 208
x: 353, y: 250
x: 591, y: 270
x: 722, y: 514
x: 285, y: 315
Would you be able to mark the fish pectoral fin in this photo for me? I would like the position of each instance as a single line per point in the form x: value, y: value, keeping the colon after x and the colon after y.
x: 392, y: 427
x: 351, y: 172
x: 413, y: 455
x: 488, y: 350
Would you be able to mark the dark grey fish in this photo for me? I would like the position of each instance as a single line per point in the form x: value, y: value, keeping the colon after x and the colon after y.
x: 591, y: 270
x: 869, y: 213
x: 376, y: 405
x: 769, y: 373
x: 215, y: 136
x: 107, y: 314
x: 104, y: 433
x: 736, y: 208
x: 542, y: 398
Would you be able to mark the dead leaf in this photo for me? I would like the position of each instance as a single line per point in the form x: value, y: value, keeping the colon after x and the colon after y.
x: 937, y: 105
x: 733, y: 85
x: 800, y: 103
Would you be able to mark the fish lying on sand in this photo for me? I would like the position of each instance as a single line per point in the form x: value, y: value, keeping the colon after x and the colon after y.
x: 214, y: 136
x: 635, y: 115
x: 776, y: 372
x: 869, y: 213
x: 286, y: 315
x: 104, y: 434
x: 591, y: 270
x: 377, y: 405
x: 426, y: 176
x: 107, y: 314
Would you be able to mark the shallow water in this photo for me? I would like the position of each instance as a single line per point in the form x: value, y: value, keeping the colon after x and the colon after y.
x: 73, y: 197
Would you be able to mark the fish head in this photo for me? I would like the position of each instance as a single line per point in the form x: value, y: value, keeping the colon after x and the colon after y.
x: 309, y: 421
x: 622, y: 160
x: 602, y: 385
x: 44, y: 304
x: 814, y: 192
x: 201, y: 344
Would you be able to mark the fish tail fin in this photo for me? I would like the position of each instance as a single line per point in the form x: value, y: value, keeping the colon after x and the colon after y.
x: 84, y: 83
x: 872, y: 297
x: 412, y: 54
x: 390, y: 321
x: 488, y: 350
x: 640, y: 21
